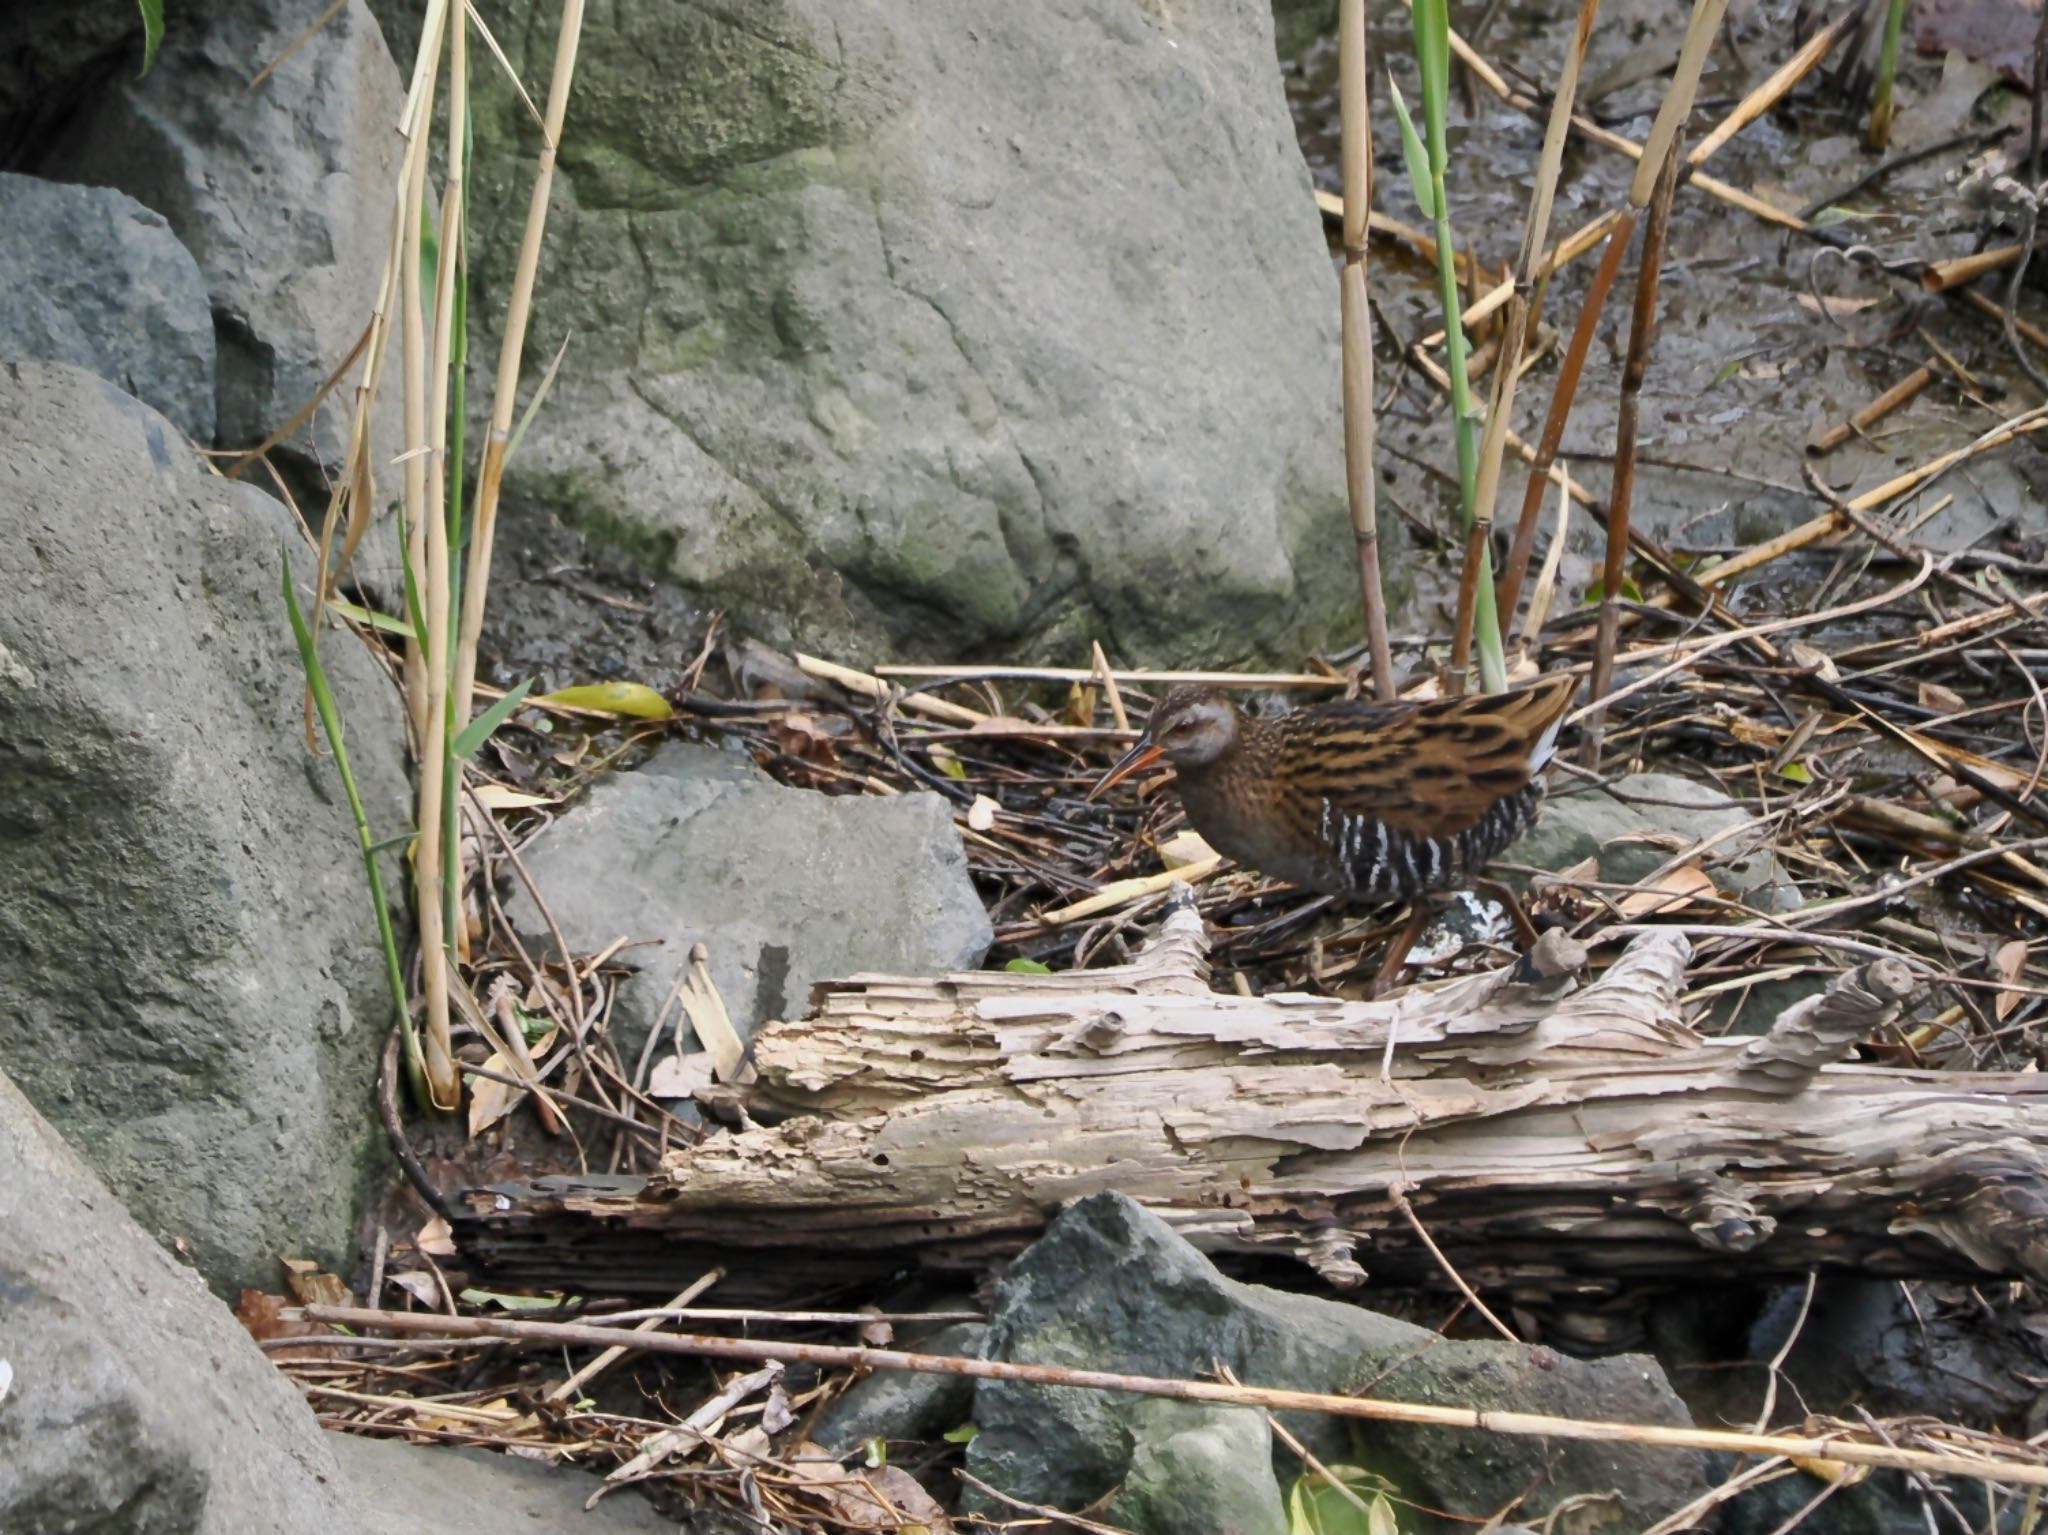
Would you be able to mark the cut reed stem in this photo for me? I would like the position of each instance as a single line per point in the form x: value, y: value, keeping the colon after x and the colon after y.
x: 1361, y: 481
x: 511, y: 347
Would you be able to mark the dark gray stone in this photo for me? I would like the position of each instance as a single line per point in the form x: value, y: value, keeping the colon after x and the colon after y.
x: 1864, y: 1346
x: 284, y: 195
x: 193, y: 990
x: 897, y: 1404
x: 1199, y: 1470
x: 786, y: 887
x: 53, y: 54
x: 91, y: 277
x: 938, y: 327
x: 137, y: 1404
x: 1111, y: 1287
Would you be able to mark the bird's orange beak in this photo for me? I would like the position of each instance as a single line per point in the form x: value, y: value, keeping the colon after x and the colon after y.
x: 1136, y: 760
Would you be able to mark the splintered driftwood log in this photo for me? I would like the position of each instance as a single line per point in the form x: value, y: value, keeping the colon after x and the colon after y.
x: 1555, y: 1140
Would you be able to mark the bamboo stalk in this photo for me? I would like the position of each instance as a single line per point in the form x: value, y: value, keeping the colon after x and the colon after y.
x: 429, y: 530
x: 353, y: 499
x: 1141, y: 677
x: 1522, y: 1424
x: 1500, y: 412
x: 511, y: 347
x: 1361, y: 480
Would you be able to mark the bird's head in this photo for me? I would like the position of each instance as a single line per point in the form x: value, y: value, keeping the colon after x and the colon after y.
x: 1190, y: 727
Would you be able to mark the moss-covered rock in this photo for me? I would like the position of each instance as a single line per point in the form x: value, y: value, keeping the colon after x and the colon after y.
x: 942, y: 329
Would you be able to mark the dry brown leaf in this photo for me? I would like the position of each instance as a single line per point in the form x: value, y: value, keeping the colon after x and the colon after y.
x: 1840, y: 308
x: 680, y: 1076
x: 497, y: 796
x: 2008, y: 964
x: 1585, y: 872
x: 423, y: 1287
x: 1835, y: 1472
x: 1756, y: 732
x: 491, y: 1101
x: 435, y: 1239
x: 1947, y: 700
x: 1680, y: 887
x: 887, y: 1498
x: 262, y: 1314
x: 312, y: 1285
x: 1184, y: 849
x: 1809, y: 658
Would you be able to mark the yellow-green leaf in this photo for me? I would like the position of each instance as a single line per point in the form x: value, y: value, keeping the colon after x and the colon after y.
x: 371, y: 618
x: 633, y: 699
x: 1413, y: 153
x: 1023, y: 966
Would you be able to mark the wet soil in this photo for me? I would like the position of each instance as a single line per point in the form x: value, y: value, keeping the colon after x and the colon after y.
x: 1765, y: 336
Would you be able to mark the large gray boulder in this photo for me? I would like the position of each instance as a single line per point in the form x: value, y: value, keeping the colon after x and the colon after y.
x: 193, y: 990
x: 131, y: 1401
x: 936, y: 327
x: 1110, y: 1286
x: 785, y: 887
x: 89, y: 276
x: 284, y: 194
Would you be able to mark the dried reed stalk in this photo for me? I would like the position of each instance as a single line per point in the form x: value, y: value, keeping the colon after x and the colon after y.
x: 413, y: 365
x: 1656, y: 180
x: 1940, y: 276
x: 2027, y: 1472
x: 511, y: 346
x: 1361, y: 480
x: 1535, y: 231
x: 1899, y: 395
x: 429, y: 530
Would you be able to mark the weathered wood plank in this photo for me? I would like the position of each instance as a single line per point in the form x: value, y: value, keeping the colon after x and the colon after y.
x: 1556, y: 1140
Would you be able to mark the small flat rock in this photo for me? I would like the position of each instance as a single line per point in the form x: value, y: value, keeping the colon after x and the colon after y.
x: 1639, y: 827
x: 786, y: 887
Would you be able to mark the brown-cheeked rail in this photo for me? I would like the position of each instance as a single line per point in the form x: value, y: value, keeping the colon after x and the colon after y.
x: 1365, y: 801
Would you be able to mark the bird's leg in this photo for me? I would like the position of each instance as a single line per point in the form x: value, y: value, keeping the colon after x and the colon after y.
x: 1405, y: 940
x: 1511, y: 903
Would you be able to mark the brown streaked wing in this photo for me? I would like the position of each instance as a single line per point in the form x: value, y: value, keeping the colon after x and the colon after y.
x: 1432, y: 769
